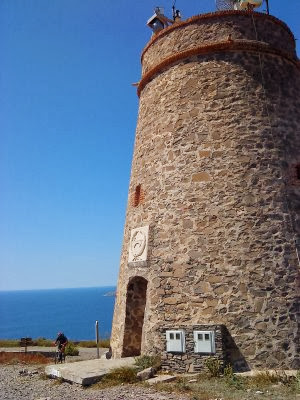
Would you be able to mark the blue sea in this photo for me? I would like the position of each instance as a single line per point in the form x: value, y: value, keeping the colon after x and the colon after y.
x: 42, y: 313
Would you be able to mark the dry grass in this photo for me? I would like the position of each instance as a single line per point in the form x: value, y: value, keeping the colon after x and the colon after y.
x: 266, y: 378
x: 23, y: 358
x: 43, y: 342
x: 265, y: 386
x: 9, y: 343
x: 116, y: 377
x: 104, y: 343
x: 145, y: 361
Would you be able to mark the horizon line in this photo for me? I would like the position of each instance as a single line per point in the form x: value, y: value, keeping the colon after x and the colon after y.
x: 59, y: 288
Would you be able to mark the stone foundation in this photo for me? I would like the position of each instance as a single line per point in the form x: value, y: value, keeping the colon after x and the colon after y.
x: 189, y: 361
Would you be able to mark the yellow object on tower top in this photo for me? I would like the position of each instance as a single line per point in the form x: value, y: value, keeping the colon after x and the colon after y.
x: 244, y: 4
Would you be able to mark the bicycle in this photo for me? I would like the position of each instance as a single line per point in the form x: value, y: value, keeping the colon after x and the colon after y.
x: 60, y: 355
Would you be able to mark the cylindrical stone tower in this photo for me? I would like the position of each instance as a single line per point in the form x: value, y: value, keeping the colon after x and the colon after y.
x: 212, y: 223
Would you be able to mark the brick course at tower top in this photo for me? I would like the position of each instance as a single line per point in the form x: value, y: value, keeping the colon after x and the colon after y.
x: 216, y: 141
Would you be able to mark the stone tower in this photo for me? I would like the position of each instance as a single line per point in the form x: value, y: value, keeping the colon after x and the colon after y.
x: 212, y: 223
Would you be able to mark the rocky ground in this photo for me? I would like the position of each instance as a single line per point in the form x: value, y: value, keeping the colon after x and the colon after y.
x: 19, y: 382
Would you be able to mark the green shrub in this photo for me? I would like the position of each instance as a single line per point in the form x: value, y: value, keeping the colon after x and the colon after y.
x: 228, y: 375
x: 228, y: 372
x: 214, y: 367
x: 71, y: 350
x: 145, y: 361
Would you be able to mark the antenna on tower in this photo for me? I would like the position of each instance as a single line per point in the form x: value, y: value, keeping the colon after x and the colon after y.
x: 173, y: 9
x: 176, y: 13
x: 225, y: 4
x: 238, y: 4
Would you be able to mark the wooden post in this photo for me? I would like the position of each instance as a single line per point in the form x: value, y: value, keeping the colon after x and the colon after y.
x: 25, y: 342
x: 97, y: 338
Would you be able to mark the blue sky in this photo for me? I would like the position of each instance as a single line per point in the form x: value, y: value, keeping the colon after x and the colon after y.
x: 67, y: 121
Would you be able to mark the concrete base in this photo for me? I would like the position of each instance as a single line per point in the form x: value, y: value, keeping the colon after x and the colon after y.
x: 87, y: 372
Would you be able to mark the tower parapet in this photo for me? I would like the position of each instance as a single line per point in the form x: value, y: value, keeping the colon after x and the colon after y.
x: 204, y: 29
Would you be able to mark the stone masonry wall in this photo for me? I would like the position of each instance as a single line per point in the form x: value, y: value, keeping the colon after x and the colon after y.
x: 215, y: 144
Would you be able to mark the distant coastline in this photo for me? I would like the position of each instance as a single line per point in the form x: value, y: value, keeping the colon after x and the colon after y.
x: 112, y: 293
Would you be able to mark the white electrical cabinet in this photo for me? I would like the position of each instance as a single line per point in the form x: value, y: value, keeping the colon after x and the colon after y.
x: 204, y: 342
x: 175, y: 341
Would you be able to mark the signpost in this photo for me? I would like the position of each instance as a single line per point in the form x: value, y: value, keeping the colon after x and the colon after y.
x: 97, y: 338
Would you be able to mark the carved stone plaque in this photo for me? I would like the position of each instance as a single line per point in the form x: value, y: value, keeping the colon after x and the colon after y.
x: 138, y: 245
